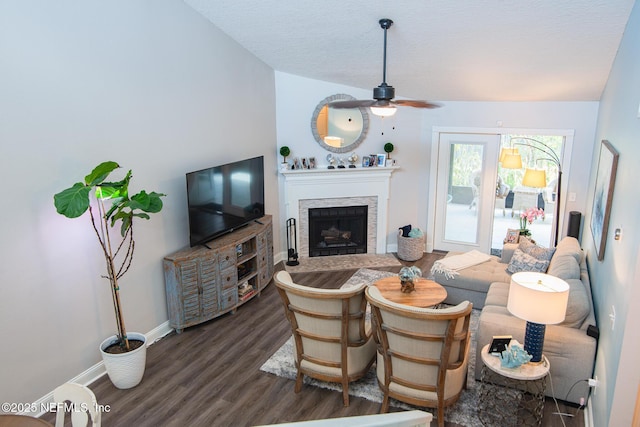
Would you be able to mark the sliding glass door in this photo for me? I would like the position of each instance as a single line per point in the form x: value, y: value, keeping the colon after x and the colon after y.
x: 465, y: 191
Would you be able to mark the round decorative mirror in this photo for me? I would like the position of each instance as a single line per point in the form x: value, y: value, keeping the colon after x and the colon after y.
x: 339, y: 129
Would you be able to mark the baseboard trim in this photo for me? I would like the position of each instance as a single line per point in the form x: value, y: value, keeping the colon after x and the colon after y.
x: 588, y: 414
x: 98, y: 370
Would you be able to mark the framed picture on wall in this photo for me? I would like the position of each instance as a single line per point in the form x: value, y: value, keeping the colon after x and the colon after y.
x: 602, y: 196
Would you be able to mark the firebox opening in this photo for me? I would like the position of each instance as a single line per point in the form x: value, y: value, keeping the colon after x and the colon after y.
x: 337, y: 231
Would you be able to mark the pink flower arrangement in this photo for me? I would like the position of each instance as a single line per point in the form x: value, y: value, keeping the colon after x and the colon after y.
x: 528, y: 216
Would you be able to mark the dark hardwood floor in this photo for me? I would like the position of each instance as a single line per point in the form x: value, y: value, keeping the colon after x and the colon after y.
x: 210, y: 374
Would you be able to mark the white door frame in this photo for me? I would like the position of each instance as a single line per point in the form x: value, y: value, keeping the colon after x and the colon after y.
x: 565, y: 158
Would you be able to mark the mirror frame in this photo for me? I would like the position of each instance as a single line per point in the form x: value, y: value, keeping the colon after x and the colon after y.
x: 314, y: 125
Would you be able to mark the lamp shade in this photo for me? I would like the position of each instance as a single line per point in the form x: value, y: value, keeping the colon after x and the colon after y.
x: 383, y: 111
x: 538, y: 298
x: 505, y: 151
x: 536, y: 178
x: 512, y: 161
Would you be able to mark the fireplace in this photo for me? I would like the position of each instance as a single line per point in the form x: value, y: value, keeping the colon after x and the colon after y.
x: 327, y: 188
x: 338, y: 230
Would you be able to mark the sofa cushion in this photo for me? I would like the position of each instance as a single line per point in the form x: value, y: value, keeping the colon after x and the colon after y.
x: 538, y: 252
x: 564, y: 267
x: 565, y: 263
x: 578, y: 307
x: 498, y: 294
x: 571, y: 247
x: 521, y: 261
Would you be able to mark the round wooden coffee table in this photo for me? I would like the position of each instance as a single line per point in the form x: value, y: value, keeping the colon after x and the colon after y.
x: 427, y: 293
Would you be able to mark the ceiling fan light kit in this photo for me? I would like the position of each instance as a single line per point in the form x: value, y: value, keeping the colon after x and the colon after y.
x: 383, y: 103
x: 383, y: 111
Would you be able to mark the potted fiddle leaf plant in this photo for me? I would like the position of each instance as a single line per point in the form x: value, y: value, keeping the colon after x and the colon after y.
x: 110, y: 205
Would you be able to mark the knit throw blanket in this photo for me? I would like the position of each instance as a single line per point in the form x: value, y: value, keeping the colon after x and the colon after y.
x: 449, y: 266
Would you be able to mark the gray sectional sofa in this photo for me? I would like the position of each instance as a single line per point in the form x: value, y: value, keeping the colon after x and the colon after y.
x: 571, y: 352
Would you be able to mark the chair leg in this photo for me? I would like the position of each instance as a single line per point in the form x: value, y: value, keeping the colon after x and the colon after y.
x: 384, y: 406
x: 298, y: 382
x: 345, y: 393
x: 440, y: 416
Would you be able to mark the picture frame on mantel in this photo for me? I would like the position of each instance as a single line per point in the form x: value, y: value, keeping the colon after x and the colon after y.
x: 603, y: 195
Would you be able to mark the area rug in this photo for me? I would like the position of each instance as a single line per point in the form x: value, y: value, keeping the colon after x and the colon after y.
x: 343, y: 262
x: 464, y: 412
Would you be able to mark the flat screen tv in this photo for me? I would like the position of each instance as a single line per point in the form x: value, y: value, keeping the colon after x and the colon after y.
x: 224, y: 198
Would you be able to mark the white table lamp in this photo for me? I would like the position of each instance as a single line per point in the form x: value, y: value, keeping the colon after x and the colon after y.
x: 541, y: 300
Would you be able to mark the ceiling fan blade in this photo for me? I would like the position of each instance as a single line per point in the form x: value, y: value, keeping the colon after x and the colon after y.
x: 352, y: 104
x: 415, y: 104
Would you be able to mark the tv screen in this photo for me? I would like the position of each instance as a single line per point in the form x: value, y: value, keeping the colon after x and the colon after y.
x: 224, y: 198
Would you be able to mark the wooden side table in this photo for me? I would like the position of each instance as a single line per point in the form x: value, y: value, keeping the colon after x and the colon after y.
x: 427, y: 293
x: 511, y: 396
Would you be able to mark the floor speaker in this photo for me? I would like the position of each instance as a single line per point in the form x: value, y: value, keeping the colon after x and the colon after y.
x: 574, y: 224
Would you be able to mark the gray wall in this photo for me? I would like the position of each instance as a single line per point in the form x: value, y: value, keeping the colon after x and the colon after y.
x: 410, y: 130
x: 616, y: 279
x: 149, y: 84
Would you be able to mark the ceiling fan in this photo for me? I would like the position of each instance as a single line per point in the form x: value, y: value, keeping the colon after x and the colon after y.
x: 382, y: 103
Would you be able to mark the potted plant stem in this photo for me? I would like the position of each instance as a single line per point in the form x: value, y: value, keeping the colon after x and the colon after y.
x: 114, y: 206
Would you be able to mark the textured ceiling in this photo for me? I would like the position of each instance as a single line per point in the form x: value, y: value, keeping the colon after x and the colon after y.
x: 448, y: 50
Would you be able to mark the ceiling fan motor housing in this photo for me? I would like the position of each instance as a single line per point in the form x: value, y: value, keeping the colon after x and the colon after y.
x: 384, y: 92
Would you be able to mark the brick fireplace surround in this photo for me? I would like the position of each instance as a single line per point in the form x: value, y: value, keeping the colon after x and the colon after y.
x: 315, y: 188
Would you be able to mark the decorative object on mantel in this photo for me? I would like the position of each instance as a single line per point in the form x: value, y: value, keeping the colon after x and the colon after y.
x: 331, y: 160
x: 407, y: 276
x: 284, y: 152
x: 292, y: 245
x: 124, y: 354
x: 341, y: 163
x: 296, y: 164
x: 388, y: 148
x: 353, y: 158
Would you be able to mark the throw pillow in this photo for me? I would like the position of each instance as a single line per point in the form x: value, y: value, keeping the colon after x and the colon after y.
x: 524, y: 262
x: 538, y: 252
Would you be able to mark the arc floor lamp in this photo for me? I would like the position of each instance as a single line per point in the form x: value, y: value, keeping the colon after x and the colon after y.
x: 533, y: 177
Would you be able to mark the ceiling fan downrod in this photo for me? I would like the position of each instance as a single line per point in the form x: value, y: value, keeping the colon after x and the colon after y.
x: 384, y: 92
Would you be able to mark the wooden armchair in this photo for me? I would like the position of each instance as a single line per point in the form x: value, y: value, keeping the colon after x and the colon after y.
x: 422, y: 352
x: 333, y: 342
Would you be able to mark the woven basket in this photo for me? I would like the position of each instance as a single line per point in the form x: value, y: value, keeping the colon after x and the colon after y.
x: 410, y: 248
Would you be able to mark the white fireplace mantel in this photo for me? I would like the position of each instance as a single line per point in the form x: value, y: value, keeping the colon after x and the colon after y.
x: 356, y: 183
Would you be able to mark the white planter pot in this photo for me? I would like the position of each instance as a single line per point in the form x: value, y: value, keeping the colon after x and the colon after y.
x: 125, y: 370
